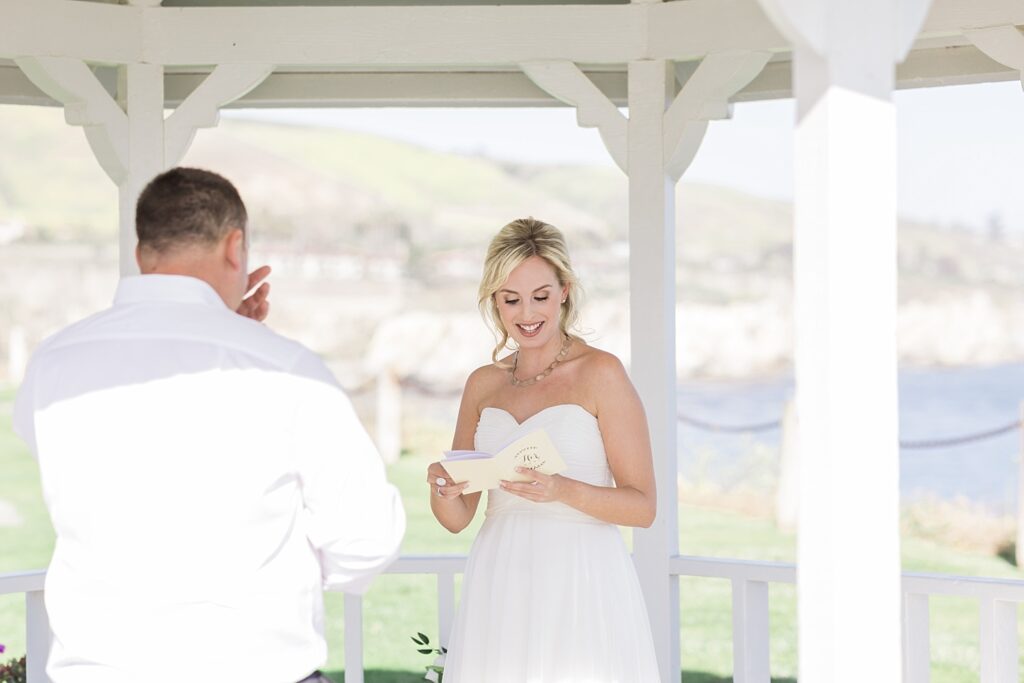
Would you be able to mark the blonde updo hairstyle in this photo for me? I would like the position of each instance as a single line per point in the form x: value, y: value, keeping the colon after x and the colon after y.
x: 514, y: 243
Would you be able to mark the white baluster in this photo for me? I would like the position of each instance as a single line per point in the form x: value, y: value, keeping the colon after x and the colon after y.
x: 353, y: 639
x: 916, y: 638
x: 37, y: 636
x: 998, y: 641
x: 445, y: 606
x: 750, y: 633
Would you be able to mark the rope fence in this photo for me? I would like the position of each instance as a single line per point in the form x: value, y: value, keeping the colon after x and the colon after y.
x: 426, y: 389
x: 918, y: 444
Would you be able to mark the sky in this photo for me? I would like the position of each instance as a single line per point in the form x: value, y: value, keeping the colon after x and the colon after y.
x: 961, y: 148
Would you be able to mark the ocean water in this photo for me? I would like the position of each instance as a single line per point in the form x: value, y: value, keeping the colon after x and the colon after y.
x: 934, y: 404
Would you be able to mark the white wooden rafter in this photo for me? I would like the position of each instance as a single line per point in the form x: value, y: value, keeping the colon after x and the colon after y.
x: 1004, y: 44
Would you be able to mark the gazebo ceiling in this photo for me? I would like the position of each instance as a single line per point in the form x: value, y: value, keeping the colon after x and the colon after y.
x: 337, y: 53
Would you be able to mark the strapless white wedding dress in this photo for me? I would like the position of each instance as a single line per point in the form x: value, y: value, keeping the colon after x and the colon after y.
x: 550, y: 594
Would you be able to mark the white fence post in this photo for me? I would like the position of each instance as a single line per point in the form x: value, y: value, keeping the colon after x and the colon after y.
x: 750, y: 632
x: 1019, y: 548
x: 916, y: 639
x: 788, y: 493
x: 445, y: 606
x: 389, y: 416
x: 353, y: 639
x: 37, y: 637
x: 998, y: 642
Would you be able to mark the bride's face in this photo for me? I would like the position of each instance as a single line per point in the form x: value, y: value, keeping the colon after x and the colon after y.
x: 530, y: 303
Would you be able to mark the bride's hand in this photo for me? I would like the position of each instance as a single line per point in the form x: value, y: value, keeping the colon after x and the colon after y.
x: 436, y: 474
x: 542, y: 488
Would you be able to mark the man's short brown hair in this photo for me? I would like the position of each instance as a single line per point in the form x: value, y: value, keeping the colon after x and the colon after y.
x: 186, y: 207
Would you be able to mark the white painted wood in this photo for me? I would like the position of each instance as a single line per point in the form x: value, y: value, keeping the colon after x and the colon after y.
x: 956, y: 65
x: 17, y: 355
x: 445, y: 606
x: 480, y: 35
x: 1019, y: 545
x: 750, y: 632
x: 142, y: 90
x: 845, y: 365
x: 389, y: 416
x: 1009, y: 590
x: 22, y: 582
x: 565, y: 81
x: 201, y: 109
x: 787, y: 498
x: 508, y: 35
x: 428, y: 564
x: 54, y: 28
x: 652, y: 327
x: 1005, y: 44
x: 86, y: 104
x: 353, y: 639
x: 736, y: 570
x: 704, y: 97
x: 916, y: 638
x: 998, y: 641
x: 37, y: 637
x: 846, y: 377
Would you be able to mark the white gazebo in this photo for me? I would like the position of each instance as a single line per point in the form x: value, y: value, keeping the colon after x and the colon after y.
x: 117, y: 68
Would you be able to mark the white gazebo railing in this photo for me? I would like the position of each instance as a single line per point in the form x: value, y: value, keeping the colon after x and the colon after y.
x: 997, y: 600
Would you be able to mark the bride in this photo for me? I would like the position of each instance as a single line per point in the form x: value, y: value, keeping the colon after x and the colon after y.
x: 550, y: 594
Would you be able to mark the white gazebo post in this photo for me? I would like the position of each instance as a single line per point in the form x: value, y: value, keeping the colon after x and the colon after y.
x: 998, y: 627
x: 844, y: 60
x: 654, y: 147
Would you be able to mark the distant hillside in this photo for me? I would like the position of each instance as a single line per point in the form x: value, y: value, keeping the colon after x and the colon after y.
x: 353, y: 209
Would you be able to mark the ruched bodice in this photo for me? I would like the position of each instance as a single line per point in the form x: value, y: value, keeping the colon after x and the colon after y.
x: 573, y: 431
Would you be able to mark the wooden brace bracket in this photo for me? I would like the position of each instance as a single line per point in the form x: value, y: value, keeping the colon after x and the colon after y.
x: 1005, y: 44
x: 566, y: 82
x: 704, y: 96
x: 88, y: 104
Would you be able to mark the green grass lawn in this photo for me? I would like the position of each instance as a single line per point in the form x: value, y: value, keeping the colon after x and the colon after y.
x: 398, y: 606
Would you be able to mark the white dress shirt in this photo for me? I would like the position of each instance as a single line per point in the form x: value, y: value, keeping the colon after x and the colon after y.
x: 205, y: 477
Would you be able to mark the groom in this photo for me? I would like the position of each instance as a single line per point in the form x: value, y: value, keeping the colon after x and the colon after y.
x: 206, y: 477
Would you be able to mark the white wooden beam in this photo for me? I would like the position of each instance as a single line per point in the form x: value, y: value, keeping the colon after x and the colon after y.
x: 565, y: 81
x: 90, y: 31
x: 465, y: 36
x: 473, y: 35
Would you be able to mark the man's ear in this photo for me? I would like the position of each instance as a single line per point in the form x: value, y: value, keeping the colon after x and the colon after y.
x: 234, y: 248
